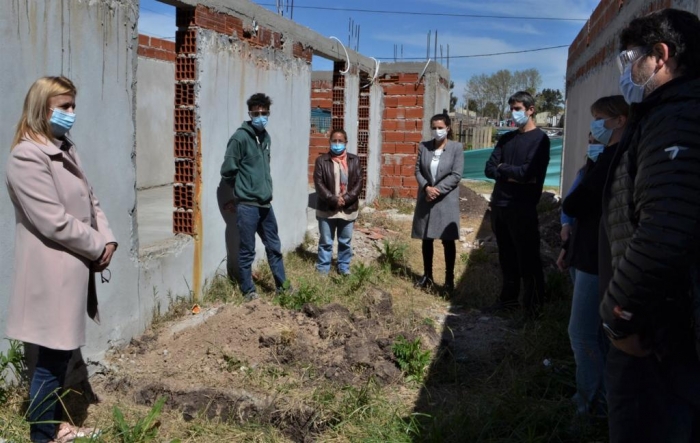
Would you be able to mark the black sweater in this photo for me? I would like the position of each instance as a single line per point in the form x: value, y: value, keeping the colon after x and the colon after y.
x: 584, y: 203
x: 523, y: 158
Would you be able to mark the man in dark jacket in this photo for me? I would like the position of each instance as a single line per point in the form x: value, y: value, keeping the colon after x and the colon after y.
x: 519, y: 166
x: 651, y: 218
x: 246, y: 169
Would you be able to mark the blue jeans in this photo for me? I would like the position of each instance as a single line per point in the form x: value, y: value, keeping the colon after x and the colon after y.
x: 588, y: 344
x: 44, y: 393
x: 328, y: 227
x: 251, y: 219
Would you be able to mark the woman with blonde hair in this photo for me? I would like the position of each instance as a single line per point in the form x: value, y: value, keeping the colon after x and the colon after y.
x: 61, y: 239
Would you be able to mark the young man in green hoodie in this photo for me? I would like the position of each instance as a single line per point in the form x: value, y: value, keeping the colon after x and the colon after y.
x: 246, y: 169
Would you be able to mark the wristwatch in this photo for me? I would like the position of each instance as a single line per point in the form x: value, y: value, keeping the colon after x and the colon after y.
x: 612, y: 334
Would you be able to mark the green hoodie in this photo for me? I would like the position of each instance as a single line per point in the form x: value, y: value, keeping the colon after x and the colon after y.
x: 246, y: 166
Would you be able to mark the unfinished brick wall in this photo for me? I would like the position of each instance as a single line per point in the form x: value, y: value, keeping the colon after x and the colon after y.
x: 602, y: 16
x: 363, y: 127
x: 156, y: 48
x: 321, y: 97
x: 402, y: 127
x: 185, y: 127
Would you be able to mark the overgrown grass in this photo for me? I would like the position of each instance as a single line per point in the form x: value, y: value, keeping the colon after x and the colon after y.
x: 402, y: 205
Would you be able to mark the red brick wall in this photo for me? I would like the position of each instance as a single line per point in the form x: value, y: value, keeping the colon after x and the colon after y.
x: 402, y: 127
x: 152, y: 47
x: 321, y: 97
x: 222, y: 23
x: 602, y: 16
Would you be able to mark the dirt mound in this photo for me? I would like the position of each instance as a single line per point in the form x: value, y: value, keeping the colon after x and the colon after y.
x: 327, y: 343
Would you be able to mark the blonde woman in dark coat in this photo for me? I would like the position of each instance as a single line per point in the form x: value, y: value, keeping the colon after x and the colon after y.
x: 439, y: 168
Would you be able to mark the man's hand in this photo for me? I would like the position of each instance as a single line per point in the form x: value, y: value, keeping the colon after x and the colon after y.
x: 103, y: 262
x: 565, y: 232
x: 631, y: 345
x: 230, y: 207
x: 560, y: 261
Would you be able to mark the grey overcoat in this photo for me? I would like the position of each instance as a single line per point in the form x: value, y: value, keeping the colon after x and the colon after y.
x: 438, y: 219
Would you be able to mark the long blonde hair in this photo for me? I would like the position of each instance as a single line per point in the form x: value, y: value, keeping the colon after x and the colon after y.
x: 34, y: 123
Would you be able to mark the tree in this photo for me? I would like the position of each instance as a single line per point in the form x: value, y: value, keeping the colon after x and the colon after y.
x: 453, y: 98
x: 472, y: 106
x: 492, y: 110
x: 550, y: 100
x: 497, y: 88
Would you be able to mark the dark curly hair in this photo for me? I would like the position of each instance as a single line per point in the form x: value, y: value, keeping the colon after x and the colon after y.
x: 259, y: 99
x: 680, y: 30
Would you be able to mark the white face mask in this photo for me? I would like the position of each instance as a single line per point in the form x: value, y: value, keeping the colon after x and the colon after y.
x: 439, y: 134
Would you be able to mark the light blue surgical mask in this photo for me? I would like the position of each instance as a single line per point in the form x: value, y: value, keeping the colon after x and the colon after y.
x: 259, y: 122
x: 337, y: 148
x: 61, y: 122
x: 600, y: 132
x: 594, y: 151
x: 632, y: 92
x: 520, y: 118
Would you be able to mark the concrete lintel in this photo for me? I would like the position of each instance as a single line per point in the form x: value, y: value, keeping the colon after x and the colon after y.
x: 321, y: 45
x: 414, y: 67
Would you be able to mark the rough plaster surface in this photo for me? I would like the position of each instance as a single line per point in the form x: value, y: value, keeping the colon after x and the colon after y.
x: 93, y: 43
x: 374, y: 160
x: 228, y: 76
x: 352, y: 105
x: 155, y: 94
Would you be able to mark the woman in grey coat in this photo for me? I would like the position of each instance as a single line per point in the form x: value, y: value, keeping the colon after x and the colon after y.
x: 439, y: 170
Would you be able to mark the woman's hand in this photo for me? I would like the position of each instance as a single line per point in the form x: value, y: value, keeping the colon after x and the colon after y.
x: 341, y: 201
x: 103, y: 262
x: 560, y: 261
x: 431, y: 193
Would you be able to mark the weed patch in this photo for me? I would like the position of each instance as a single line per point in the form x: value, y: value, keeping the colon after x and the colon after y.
x: 412, y: 359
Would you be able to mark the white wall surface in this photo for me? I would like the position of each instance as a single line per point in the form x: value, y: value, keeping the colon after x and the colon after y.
x: 155, y: 98
x: 227, y: 78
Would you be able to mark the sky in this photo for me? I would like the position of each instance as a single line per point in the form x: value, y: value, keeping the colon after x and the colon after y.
x: 465, y: 35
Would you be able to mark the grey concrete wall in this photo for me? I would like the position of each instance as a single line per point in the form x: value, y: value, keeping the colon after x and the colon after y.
x: 437, y: 98
x: 599, y: 82
x: 155, y: 96
x: 228, y: 76
x: 374, y: 160
x: 93, y: 43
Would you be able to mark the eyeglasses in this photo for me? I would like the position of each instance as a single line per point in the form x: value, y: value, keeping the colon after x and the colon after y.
x: 106, y: 278
x: 630, y: 56
x: 259, y: 113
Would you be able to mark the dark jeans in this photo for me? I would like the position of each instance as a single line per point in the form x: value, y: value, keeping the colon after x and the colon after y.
x: 251, y: 219
x: 450, y: 257
x: 44, y: 393
x: 518, y: 237
x: 652, y: 401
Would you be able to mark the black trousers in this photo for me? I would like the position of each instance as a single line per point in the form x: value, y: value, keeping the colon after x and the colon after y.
x: 653, y: 401
x: 450, y: 258
x: 518, y: 237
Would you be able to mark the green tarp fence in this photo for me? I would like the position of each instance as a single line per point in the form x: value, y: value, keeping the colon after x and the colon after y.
x: 475, y: 161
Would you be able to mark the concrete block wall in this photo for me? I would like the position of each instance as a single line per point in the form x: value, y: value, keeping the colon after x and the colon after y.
x: 154, y: 116
x: 592, y: 71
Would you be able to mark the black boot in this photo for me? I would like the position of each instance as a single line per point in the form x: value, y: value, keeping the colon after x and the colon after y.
x: 425, y: 282
x: 449, y: 283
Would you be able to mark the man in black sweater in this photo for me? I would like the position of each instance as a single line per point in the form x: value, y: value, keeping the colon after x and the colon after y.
x: 651, y: 213
x: 519, y: 166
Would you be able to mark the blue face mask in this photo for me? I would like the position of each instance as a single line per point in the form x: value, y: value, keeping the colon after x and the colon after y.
x: 259, y: 122
x: 594, y: 151
x: 520, y: 118
x: 600, y: 132
x: 632, y: 92
x: 337, y: 148
x: 61, y: 122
